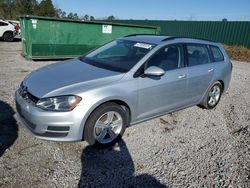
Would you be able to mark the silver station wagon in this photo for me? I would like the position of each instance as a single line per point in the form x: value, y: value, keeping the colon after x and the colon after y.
x: 127, y: 81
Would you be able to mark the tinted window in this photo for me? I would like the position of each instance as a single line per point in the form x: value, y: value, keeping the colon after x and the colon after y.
x: 197, y: 54
x: 3, y: 24
x: 119, y: 55
x: 217, y: 55
x: 167, y: 58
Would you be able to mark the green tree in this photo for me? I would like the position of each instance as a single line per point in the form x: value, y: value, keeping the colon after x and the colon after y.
x: 111, y: 17
x: 25, y: 7
x: 64, y: 14
x: 6, y: 10
x: 75, y: 16
x: 86, y: 17
x: 46, y: 8
x: 1, y: 10
x: 10, y: 9
x: 58, y: 13
x: 70, y: 15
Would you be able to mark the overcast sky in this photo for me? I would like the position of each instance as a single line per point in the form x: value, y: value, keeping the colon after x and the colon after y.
x: 233, y: 10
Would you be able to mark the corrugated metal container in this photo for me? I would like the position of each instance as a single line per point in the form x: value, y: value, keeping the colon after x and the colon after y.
x: 226, y: 32
x: 46, y: 38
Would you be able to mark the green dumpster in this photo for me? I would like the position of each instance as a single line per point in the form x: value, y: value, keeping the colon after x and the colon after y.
x: 53, y: 38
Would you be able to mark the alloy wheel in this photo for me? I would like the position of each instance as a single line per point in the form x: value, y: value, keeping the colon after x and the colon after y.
x: 214, y: 95
x: 108, y: 127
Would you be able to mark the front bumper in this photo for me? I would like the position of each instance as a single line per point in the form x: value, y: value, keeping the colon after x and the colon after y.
x: 56, y: 126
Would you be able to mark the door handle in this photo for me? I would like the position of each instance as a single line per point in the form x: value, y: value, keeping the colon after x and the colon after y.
x: 182, y: 76
x: 210, y: 70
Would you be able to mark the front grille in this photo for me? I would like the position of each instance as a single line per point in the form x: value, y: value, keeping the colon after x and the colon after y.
x: 28, y: 96
x: 33, y: 98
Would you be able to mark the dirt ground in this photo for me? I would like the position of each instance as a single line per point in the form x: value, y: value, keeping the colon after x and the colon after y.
x: 188, y: 148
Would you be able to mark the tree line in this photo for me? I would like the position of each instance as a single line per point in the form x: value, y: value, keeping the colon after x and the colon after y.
x: 11, y: 9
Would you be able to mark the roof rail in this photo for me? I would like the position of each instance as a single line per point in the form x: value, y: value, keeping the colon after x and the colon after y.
x: 171, y: 38
x: 132, y: 35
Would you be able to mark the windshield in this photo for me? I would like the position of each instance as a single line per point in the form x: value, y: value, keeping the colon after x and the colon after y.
x: 119, y: 55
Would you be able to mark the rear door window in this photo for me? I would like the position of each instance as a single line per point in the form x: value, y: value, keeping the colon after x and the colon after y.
x: 217, y: 54
x: 197, y: 54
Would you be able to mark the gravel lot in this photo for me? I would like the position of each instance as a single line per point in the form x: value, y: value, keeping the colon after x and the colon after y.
x: 188, y: 148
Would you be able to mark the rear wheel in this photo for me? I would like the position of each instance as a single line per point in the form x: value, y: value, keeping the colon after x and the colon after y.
x: 105, y: 125
x: 213, y: 96
x: 8, y: 37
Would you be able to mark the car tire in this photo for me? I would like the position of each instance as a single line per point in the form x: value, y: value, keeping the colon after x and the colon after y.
x: 213, y: 96
x: 106, y: 125
x: 8, y: 37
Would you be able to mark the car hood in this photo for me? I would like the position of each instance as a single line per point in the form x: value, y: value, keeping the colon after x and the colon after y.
x: 68, y: 77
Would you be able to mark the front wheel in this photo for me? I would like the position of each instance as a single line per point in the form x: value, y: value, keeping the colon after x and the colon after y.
x: 8, y: 37
x: 213, y: 96
x: 106, y: 125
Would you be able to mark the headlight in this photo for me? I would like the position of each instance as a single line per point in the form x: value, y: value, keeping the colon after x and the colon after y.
x: 60, y: 103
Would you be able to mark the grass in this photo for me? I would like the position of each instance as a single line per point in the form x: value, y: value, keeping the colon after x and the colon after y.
x: 238, y: 53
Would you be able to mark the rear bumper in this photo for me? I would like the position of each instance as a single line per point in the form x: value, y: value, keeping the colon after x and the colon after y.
x: 56, y: 126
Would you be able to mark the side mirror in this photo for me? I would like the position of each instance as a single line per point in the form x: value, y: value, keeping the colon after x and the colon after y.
x: 154, y: 71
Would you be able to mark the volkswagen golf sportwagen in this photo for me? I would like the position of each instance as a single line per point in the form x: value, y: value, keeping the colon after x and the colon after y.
x: 127, y: 81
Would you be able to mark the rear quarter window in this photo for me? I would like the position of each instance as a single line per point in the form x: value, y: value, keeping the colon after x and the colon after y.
x: 217, y: 54
x: 3, y: 24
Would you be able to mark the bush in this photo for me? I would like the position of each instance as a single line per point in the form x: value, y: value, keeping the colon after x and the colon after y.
x: 238, y: 53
